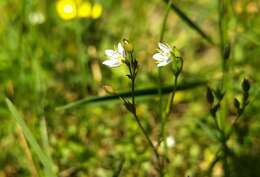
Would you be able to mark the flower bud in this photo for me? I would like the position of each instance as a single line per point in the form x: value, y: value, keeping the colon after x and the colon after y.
x: 210, y: 96
x: 219, y: 94
x: 177, y: 65
x: 246, y: 85
x: 127, y: 46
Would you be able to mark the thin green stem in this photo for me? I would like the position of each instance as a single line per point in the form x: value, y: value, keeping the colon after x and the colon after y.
x: 141, y: 126
x: 170, y: 102
x: 223, y: 142
x: 222, y: 40
x: 217, y: 125
x: 224, y: 149
x: 222, y: 37
x: 133, y: 78
x: 232, y: 127
x: 167, y: 114
x: 160, y: 94
x: 135, y: 115
x: 163, y: 29
x: 146, y: 136
x: 132, y: 71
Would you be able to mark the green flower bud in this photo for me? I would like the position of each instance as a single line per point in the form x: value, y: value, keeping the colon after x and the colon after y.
x: 246, y: 85
x: 210, y: 96
x: 219, y: 94
x: 177, y: 65
x: 128, y: 46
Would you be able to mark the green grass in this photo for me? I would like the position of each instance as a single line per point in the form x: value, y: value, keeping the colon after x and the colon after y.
x: 35, y: 147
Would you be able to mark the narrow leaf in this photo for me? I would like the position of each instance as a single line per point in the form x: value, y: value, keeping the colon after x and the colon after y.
x: 189, y: 22
x: 31, y: 140
x: 138, y: 93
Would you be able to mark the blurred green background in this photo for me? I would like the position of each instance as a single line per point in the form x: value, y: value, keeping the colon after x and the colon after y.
x: 48, y: 60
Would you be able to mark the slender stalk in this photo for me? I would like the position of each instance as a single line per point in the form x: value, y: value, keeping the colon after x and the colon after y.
x: 132, y: 71
x: 138, y: 120
x: 159, y: 71
x: 222, y: 37
x: 133, y: 78
x: 224, y: 66
x: 167, y: 114
x: 224, y: 148
x: 217, y: 125
x: 232, y: 127
x: 163, y: 29
x: 170, y: 101
x: 146, y: 136
x: 223, y: 142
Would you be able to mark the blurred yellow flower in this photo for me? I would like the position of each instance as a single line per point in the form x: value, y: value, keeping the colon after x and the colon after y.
x: 84, y: 10
x: 69, y: 9
x: 96, y: 10
x: 66, y: 9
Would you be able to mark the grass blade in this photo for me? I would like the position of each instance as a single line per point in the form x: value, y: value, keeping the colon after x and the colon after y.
x: 27, y: 152
x: 119, y: 168
x: 31, y: 140
x: 138, y: 93
x: 189, y: 22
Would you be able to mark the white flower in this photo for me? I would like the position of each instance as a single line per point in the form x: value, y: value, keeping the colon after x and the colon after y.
x: 170, y: 141
x: 164, y: 55
x: 115, y: 57
x: 36, y: 18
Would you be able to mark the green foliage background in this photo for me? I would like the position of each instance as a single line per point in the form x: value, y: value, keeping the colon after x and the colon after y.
x: 49, y: 65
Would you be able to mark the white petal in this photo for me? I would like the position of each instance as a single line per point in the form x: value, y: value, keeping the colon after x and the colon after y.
x: 120, y: 49
x: 170, y: 141
x: 159, y: 57
x: 165, y: 62
x: 161, y: 64
x: 164, y: 47
x: 112, y: 63
x: 116, y: 56
x: 109, y: 52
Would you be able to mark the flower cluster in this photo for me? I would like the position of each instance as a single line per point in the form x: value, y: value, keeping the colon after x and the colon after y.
x: 71, y: 9
x: 165, y: 55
